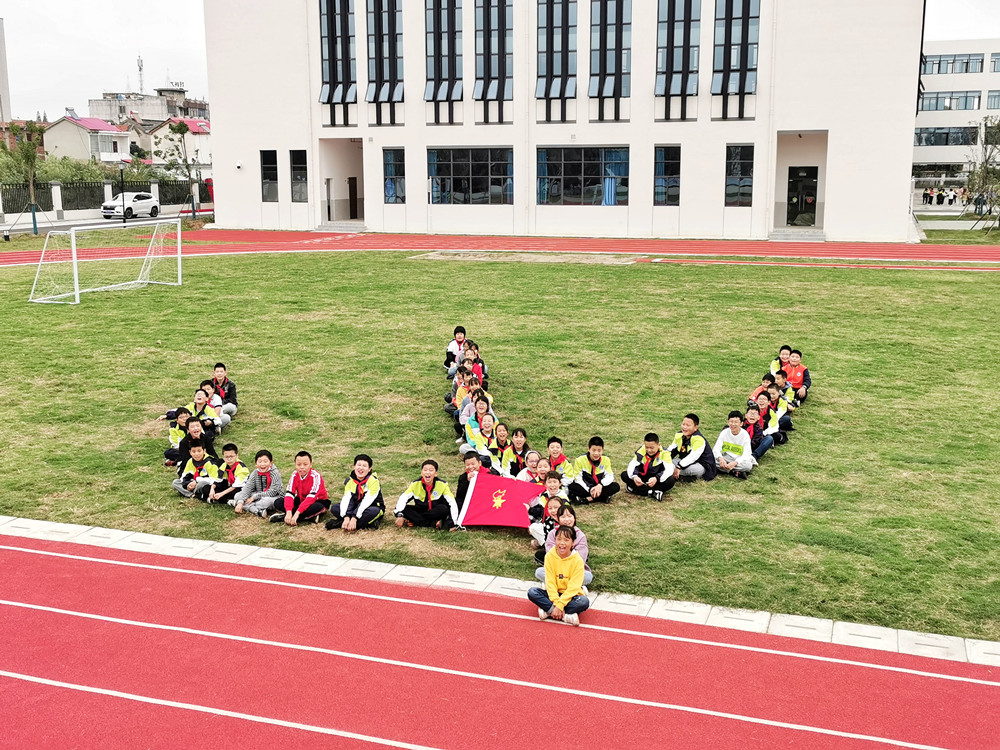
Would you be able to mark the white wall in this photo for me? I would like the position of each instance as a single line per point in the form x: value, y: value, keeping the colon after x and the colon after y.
x: 848, y: 68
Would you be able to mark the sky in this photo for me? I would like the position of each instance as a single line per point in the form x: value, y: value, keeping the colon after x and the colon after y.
x: 60, y: 53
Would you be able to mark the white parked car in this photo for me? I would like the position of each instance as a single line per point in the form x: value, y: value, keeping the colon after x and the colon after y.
x: 135, y: 204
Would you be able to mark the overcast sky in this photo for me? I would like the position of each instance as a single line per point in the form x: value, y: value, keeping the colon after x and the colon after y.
x: 60, y: 53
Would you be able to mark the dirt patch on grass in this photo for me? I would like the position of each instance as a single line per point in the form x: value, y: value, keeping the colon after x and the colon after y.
x: 581, y: 258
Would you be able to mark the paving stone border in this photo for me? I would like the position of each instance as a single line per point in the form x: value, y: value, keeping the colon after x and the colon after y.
x: 930, y: 645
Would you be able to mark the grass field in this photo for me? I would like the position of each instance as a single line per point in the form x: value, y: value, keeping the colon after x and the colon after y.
x: 881, y: 509
x: 962, y: 236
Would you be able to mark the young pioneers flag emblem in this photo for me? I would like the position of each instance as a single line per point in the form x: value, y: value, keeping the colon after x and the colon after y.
x: 498, y: 501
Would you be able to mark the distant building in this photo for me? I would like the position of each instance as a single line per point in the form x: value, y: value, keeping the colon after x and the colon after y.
x: 7, y: 134
x: 961, y: 86
x: 197, y: 142
x: 87, y: 138
x: 168, y: 101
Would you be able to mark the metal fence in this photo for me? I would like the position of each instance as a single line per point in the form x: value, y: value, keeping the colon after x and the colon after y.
x: 16, y: 197
x: 174, y: 192
x: 131, y: 187
x: 82, y: 195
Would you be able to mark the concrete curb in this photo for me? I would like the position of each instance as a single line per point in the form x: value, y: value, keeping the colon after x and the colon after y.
x: 929, y: 645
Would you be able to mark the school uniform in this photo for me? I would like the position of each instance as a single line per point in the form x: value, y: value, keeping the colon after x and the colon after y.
x: 362, y: 499
x: 428, y: 504
x: 233, y: 477
x: 587, y: 475
x: 644, y: 467
x: 759, y: 442
x: 692, y: 456
x: 204, y: 473
x: 226, y: 390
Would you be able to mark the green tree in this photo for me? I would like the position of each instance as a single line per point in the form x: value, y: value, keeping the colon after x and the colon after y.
x: 24, y: 158
x: 172, y: 149
x: 984, y: 164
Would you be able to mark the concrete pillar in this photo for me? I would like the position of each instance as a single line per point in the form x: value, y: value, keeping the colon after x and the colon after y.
x: 57, y: 203
x: 154, y: 189
x: 108, y: 190
x: 1, y: 207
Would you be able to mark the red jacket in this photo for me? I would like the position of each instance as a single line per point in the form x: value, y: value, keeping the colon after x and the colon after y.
x: 305, y: 491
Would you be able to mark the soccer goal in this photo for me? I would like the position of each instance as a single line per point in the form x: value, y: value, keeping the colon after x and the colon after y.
x: 99, y: 259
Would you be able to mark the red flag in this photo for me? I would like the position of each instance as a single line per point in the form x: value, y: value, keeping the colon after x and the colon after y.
x: 498, y: 501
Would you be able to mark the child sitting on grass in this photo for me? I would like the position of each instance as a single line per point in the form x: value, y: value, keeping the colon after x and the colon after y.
x: 215, y: 401
x: 542, y: 512
x: 563, y: 597
x: 566, y: 516
x: 733, y: 450
x: 594, y: 479
x: 198, y: 474
x: 305, y: 497
x: 261, y: 488
x: 362, y: 505
x: 177, y: 432
x: 226, y: 390
x: 428, y: 501
x: 454, y: 347
x: 234, y: 473
x: 195, y: 431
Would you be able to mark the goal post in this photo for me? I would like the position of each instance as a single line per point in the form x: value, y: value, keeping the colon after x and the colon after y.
x: 103, y: 258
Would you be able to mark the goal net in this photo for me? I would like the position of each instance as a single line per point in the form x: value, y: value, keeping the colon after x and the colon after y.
x: 98, y: 259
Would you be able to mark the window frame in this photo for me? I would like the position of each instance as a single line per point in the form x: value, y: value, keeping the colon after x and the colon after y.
x: 492, y: 167
x: 745, y: 61
x: 610, y: 46
x: 338, y: 58
x: 299, y: 175
x: 669, y: 156
x: 398, y: 177
x: 557, y: 56
x: 738, y: 174
x: 677, y: 61
x: 269, y: 186
x: 587, y: 168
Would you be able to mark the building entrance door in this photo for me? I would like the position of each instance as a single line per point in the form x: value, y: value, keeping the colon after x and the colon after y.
x: 352, y: 196
x: 802, y: 189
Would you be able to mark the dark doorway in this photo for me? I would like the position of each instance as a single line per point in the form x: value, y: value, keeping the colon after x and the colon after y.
x: 802, y: 182
x: 329, y: 200
x: 352, y: 196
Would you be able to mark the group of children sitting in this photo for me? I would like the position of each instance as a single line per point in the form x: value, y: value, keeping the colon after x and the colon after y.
x: 487, y: 445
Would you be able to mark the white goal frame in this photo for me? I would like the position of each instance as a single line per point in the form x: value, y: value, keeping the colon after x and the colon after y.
x: 72, y: 296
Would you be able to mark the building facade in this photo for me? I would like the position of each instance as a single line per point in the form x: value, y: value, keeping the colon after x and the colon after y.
x: 169, y: 101
x: 662, y: 118
x: 87, y: 138
x: 961, y: 88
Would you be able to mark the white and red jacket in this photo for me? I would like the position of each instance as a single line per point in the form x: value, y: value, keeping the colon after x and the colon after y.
x: 304, y: 491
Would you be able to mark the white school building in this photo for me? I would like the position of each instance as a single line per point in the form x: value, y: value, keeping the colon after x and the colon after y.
x: 618, y: 118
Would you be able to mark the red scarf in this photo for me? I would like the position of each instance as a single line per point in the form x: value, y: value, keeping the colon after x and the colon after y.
x: 647, y: 460
x: 267, y: 482
x: 221, y: 387
x: 593, y: 468
x: 430, y: 492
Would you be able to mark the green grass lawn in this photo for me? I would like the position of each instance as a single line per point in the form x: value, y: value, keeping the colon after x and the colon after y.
x: 962, y: 237
x: 881, y: 509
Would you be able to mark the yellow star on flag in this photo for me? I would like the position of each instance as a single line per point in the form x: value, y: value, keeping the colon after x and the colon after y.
x: 499, y: 499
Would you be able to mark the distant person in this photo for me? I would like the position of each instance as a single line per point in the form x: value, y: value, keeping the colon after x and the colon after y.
x: 733, y: 450
x: 650, y: 472
x: 690, y: 454
x: 362, y: 505
x: 305, y: 497
x: 428, y: 501
x: 233, y: 473
x: 261, y: 488
x: 593, y: 477
x: 226, y: 390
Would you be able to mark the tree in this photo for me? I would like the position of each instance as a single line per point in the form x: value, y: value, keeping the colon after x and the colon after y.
x: 984, y: 165
x: 24, y: 159
x: 172, y: 149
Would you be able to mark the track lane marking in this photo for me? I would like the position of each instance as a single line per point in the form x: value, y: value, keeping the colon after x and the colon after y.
x: 470, y: 675
x: 510, y: 615
x: 214, y: 711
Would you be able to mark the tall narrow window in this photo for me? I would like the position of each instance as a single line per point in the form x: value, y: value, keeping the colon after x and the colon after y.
x: 269, y: 176
x: 593, y: 176
x: 556, y: 55
x: 385, y: 57
x: 995, y: 62
x: 610, y: 54
x: 494, y: 55
x: 737, y: 29
x: 339, y: 61
x: 667, y: 182
x: 444, y: 56
x: 300, y: 176
x: 678, y: 29
x: 394, y: 174
x: 993, y: 100
x: 739, y: 175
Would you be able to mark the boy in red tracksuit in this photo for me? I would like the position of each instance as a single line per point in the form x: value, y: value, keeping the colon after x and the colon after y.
x: 305, y: 497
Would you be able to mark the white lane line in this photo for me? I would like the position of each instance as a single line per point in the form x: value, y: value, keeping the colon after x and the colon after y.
x: 475, y: 676
x: 214, y: 711
x: 510, y: 615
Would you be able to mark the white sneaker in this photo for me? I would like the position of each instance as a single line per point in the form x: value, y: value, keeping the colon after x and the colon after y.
x: 586, y: 591
x: 542, y: 614
x: 573, y: 620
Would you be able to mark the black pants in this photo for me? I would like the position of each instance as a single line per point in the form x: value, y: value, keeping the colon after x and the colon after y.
x: 663, y: 485
x: 580, y: 496
x: 369, y: 519
x: 420, y: 515
x: 315, y: 509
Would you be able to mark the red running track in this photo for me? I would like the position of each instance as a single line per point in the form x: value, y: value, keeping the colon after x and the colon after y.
x: 245, y: 241
x: 107, y: 648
